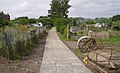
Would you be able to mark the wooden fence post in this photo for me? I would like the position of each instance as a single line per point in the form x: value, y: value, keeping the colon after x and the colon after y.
x: 67, y: 32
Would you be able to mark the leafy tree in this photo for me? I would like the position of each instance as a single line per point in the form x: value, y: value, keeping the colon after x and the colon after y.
x: 64, y: 8
x: 74, y: 22
x: 103, y: 20
x: 45, y: 20
x: 116, y: 18
x: 32, y: 20
x: 59, y: 13
x: 59, y: 8
x: 90, y: 21
x: 116, y: 25
x: 3, y: 22
x: 61, y: 24
x: 22, y: 20
x: 116, y: 22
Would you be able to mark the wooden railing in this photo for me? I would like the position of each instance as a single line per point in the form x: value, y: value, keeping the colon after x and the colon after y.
x: 109, y: 62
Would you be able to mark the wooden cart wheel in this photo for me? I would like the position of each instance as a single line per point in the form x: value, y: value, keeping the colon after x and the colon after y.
x: 85, y: 43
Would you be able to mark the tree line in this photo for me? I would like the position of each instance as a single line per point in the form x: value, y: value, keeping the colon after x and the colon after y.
x: 112, y: 22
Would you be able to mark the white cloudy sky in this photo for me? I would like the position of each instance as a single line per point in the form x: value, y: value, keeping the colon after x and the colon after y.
x: 80, y: 8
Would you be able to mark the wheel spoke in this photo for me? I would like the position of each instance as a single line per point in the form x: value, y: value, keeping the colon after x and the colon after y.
x: 86, y: 43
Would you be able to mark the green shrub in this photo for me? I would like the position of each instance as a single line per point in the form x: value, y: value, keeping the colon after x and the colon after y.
x: 81, y: 33
x: 61, y: 24
x: 16, y: 43
x: 2, y: 50
x: 74, y: 34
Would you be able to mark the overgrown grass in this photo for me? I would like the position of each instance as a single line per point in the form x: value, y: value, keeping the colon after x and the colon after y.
x: 62, y: 37
x: 112, y: 40
x: 117, y: 49
x: 79, y: 53
x: 19, y: 40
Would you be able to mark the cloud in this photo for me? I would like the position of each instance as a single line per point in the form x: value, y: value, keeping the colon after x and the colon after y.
x: 92, y: 9
x: 31, y: 8
x: 24, y: 7
x: 80, y: 8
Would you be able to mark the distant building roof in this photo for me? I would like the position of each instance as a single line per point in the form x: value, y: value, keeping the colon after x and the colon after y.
x: 99, y: 25
x: 38, y: 25
x: 4, y: 16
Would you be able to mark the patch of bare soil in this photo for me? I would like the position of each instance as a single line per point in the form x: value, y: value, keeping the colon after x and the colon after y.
x: 72, y: 45
x: 104, y: 50
x: 30, y: 64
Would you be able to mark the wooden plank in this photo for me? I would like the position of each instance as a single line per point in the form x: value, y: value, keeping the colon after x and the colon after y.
x: 112, y: 64
x: 115, y: 58
x: 98, y: 67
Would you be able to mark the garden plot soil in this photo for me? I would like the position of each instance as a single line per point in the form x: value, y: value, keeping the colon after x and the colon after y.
x: 30, y: 64
x: 106, y: 51
x: 73, y: 47
x: 71, y: 44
